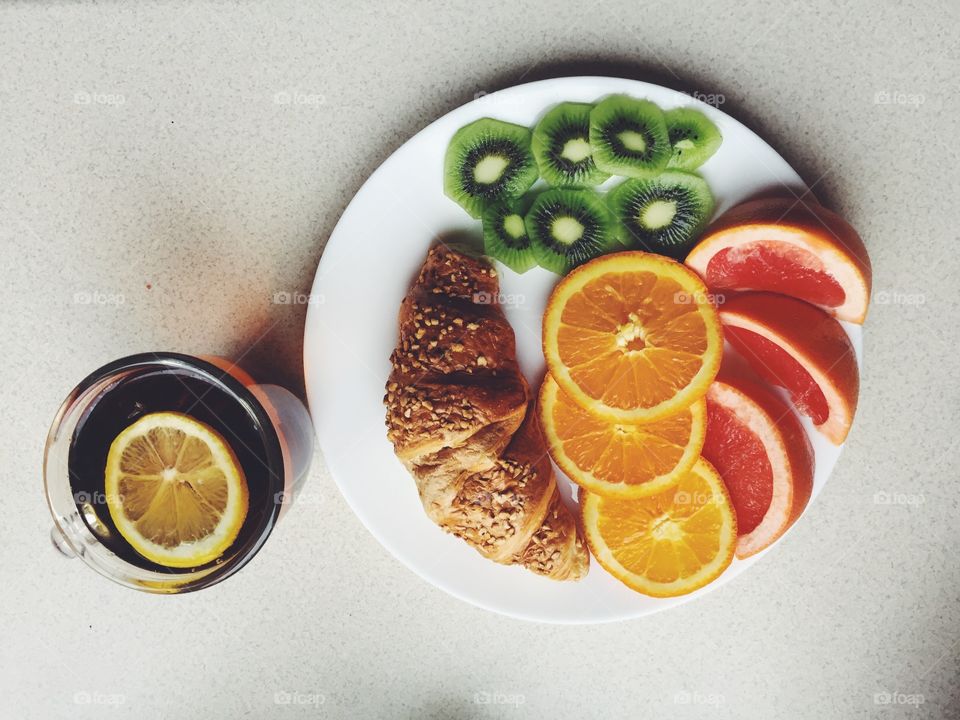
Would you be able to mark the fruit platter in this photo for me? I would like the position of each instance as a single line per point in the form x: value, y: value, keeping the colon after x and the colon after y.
x: 584, y: 349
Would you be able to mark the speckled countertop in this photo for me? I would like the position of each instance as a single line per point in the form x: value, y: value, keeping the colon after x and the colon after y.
x: 156, y: 191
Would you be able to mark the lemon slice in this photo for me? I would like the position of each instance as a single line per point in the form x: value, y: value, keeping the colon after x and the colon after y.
x: 175, y: 490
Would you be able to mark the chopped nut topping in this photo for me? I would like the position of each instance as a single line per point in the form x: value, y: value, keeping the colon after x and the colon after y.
x: 454, y: 398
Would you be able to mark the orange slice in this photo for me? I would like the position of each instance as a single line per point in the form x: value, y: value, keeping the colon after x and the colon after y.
x: 632, y: 336
x: 802, y: 349
x: 667, y: 544
x: 620, y: 459
x: 789, y: 246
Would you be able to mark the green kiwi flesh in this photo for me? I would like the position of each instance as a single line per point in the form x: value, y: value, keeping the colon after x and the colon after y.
x: 569, y: 227
x: 693, y: 138
x: 505, y: 237
x: 629, y: 137
x: 664, y: 214
x: 488, y: 161
x: 561, y: 145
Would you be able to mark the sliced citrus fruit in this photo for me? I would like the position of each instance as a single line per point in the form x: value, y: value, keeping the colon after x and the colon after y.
x: 789, y: 246
x: 761, y: 451
x: 175, y: 490
x: 632, y: 336
x: 620, y: 459
x: 667, y: 544
x: 797, y: 346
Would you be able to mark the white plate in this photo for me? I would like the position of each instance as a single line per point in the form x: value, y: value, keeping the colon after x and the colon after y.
x: 351, y: 328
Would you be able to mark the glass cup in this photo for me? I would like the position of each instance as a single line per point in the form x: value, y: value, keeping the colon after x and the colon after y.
x: 266, y: 426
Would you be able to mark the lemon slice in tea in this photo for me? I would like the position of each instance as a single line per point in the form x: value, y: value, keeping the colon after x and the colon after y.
x: 175, y: 490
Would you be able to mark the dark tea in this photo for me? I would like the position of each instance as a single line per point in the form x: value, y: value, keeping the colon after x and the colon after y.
x: 167, y: 472
x: 205, y: 396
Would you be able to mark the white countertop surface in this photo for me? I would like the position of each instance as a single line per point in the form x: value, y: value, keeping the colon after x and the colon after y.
x: 157, y: 189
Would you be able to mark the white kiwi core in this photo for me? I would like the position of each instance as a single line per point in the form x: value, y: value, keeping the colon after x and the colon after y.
x: 513, y: 226
x: 658, y: 214
x: 576, y: 150
x: 632, y: 140
x: 490, y: 169
x: 566, y: 230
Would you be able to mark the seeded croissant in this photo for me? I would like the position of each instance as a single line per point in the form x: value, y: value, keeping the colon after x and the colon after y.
x: 459, y: 419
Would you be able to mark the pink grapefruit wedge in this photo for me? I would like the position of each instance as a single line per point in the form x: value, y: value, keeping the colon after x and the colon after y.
x: 761, y: 451
x: 789, y: 246
x: 799, y: 347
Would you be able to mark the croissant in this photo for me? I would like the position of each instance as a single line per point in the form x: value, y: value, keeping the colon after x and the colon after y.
x: 460, y: 419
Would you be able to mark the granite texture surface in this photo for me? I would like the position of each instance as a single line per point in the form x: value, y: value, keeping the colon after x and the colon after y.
x: 166, y: 168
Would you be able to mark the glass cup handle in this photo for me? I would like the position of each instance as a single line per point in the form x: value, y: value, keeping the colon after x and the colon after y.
x: 59, y: 541
x: 293, y: 424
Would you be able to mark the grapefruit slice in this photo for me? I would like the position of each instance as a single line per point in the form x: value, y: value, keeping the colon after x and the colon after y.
x: 792, y: 344
x: 789, y: 246
x: 764, y: 456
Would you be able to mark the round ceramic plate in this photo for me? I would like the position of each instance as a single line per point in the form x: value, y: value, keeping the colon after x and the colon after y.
x: 351, y: 328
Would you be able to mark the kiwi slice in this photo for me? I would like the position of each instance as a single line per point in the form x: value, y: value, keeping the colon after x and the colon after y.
x: 561, y: 145
x: 664, y: 214
x: 629, y: 137
x: 488, y: 161
x: 569, y: 227
x: 693, y: 138
x: 505, y: 236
